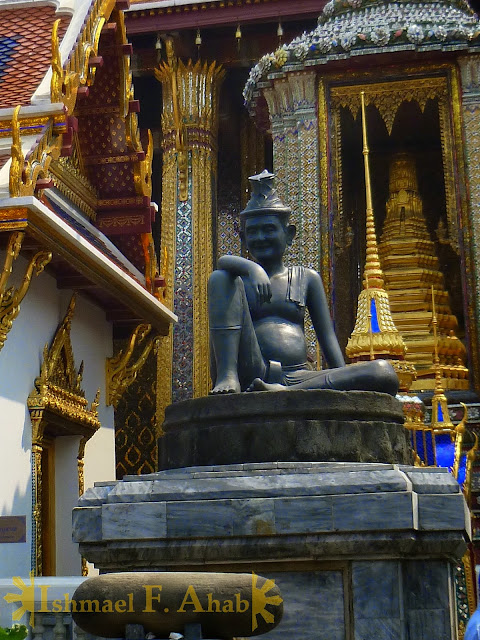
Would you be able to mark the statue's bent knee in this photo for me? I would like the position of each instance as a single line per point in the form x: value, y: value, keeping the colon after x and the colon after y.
x: 386, y: 376
x: 220, y: 279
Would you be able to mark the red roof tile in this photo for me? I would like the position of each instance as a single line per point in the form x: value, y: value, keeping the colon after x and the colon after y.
x: 25, y: 57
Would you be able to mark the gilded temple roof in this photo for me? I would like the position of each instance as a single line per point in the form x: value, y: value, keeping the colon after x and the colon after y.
x: 358, y: 27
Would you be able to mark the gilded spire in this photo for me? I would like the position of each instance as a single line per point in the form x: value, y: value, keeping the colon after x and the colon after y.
x: 375, y: 334
x: 373, y: 275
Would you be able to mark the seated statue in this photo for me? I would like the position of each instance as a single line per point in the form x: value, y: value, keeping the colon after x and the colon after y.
x: 257, y: 312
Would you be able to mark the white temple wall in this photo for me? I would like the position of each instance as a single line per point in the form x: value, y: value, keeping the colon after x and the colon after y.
x: 42, y: 309
x: 68, y: 560
x: 92, y: 342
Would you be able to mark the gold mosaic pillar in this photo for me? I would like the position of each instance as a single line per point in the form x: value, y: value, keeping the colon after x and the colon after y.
x: 292, y: 103
x: 470, y: 112
x: 190, y: 129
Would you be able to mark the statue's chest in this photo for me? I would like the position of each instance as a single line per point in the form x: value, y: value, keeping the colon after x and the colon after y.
x: 279, y: 306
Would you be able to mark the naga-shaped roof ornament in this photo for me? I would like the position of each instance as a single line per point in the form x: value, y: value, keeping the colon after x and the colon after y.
x: 357, y: 27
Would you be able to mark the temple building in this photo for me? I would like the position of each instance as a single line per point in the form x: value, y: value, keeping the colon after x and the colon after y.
x: 128, y: 135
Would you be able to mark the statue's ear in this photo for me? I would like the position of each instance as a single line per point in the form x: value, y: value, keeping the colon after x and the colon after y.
x: 291, y: 231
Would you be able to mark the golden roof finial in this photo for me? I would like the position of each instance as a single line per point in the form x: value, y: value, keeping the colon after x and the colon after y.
x: 373, y: 270
x: 440, y: 413
x: 436, y: 359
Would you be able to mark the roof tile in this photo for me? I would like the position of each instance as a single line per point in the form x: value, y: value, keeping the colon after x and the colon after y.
x: 25, y: 36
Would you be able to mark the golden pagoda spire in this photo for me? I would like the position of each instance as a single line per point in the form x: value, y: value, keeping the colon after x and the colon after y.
x: 410, y: 267
x: 375, y: 334
x: 373, y: 272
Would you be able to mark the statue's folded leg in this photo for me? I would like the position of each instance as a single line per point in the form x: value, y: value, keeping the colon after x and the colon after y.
x: 373, y: 375
x: 231, y: 333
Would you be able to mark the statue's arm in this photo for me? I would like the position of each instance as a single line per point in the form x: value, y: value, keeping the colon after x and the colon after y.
x: 236, y: 265
x: 259, y: 281
x: 322, y: 323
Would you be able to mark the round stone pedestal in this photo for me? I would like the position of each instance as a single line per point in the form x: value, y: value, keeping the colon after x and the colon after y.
x: 288, y: 426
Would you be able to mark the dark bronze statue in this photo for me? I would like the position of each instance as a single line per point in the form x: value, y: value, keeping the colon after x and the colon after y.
x: 257, y: 312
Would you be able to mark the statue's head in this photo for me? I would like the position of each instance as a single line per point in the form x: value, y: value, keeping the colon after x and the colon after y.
x: 264, y: 221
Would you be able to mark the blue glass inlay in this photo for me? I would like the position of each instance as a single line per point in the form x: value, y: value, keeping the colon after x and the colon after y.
x: 425, y: 453
x: 462, y: 469
x: 439, y: 413
x: 7, y: 48
x: 445, y: 450
x: 374, y: 319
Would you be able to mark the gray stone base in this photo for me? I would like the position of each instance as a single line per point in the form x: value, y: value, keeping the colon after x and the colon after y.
x: 359, y: 551
x: 291, y: 426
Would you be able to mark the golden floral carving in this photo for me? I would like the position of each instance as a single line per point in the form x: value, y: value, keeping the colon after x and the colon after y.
x: 388, y: 96
x: 11, y: 297
x: 24, y: 172
x: 16, y: 166
x: 323, y: 137
x: 119, y: 373
x: 165, y: 353
x: 190, y: 101
x: 56, y: 80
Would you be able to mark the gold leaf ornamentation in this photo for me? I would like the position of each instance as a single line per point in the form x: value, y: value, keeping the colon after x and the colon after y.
x: 119, y: 372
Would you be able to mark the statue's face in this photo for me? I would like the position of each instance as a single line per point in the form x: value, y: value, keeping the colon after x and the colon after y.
x: 267, y: 237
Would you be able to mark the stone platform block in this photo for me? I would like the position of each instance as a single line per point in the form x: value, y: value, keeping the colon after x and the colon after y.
x: 221, y: 514
x: 359, y: 551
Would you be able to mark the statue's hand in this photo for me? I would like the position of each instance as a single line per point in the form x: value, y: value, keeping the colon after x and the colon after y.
x: 260, y: 283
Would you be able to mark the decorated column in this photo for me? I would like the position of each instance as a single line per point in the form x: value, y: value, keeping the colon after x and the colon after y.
x: 292, y: 103
x: 470, y: 106
x: 190, y: 127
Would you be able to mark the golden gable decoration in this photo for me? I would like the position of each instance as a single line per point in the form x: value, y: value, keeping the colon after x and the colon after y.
x: 58, y: 387
x: 58, y: 407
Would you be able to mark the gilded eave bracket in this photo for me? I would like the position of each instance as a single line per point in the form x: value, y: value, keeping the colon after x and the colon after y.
x: 119, y: 375
x: 11, y: 297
